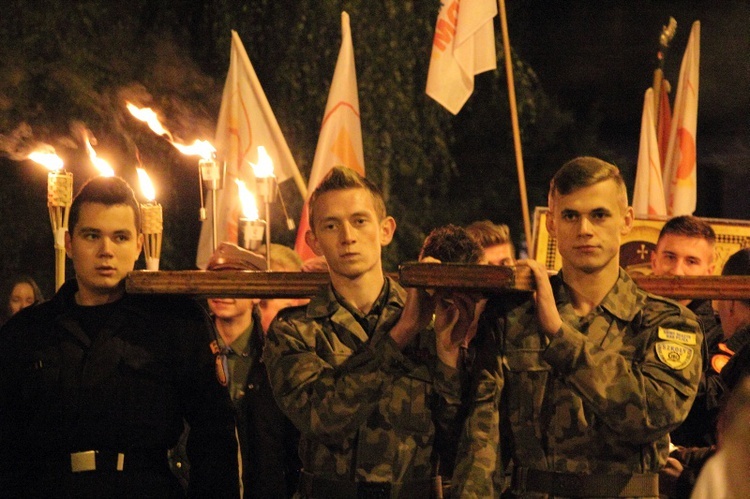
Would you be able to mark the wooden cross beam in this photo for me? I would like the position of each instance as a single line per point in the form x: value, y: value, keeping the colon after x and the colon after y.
x: 486, y: 278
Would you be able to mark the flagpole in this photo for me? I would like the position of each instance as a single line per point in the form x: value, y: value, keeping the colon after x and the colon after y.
x: 516, y: 128
x: 666, y: 35
x: 298, y: 180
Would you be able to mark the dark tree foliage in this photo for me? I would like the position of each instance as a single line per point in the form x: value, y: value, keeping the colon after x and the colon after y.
x: 70, y: 65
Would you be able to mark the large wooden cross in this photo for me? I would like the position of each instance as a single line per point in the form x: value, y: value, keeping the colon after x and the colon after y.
x: 485, y: 278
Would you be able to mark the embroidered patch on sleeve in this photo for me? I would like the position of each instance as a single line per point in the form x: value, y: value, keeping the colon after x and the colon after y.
x: 674, y: 355
x: 678, y: 336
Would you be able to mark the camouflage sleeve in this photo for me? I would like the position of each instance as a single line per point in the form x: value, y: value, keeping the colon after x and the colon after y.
x: 325, y: 402
x: 447, y: 383
x: 478, y: 469
x: 641, y: 399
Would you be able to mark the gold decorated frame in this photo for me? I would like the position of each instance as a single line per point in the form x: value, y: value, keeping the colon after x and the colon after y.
x: 636, y: 248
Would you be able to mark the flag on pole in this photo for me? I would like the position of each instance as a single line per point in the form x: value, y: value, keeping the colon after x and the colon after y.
x: 680, y: 178
x: 648, y: 194
x: 663, y: 123
x: 463, y: 46
x: 245, y: 122
x: 340, y: 139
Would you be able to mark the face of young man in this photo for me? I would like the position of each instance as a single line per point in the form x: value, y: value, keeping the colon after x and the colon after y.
x: 232, y: 309
x: 348, y: 232
x: 498, y: 254
x: 104, y: 247
x: 589, y: 224
x: 21, y: 297
x: 680, y: 255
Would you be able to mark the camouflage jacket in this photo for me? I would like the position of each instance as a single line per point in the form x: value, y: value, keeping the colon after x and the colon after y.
x: 598, y: 398
x: 366, y: 410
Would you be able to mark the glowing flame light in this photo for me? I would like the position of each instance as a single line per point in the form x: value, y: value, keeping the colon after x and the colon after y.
x: 105, y: 170
x: 247, y: 200
x: 264, y: 168
x: 48, y: 159
x: 148, y: 116
x: 147, y: 187
x: 201, y: 148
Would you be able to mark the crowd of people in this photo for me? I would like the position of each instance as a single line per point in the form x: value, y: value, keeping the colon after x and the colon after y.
x: 588, y: 387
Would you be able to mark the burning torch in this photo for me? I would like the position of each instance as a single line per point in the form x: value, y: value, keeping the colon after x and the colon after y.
x: 152, y: 225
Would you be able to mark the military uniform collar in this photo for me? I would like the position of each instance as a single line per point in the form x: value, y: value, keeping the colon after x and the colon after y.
x: 250, y: 338
x: 325, y: 304
x: 623, y: 301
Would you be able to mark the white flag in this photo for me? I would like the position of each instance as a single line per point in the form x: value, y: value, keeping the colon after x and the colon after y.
x: 648, y: 194
x: 680, y: 178
x: 463, y: 46
x: 340, y: 139
x: 246, y: 121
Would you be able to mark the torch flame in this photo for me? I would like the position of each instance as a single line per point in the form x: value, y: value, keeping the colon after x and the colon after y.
x: 147, y: 187
x: 247, y: 200
x: 201, y: 148
x: 48, y: 159
x: 105, y: 170
x: 148, y: 116
x: 264, y: 168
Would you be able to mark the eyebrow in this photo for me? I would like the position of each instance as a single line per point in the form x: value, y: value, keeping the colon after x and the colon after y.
x: 94, y: 230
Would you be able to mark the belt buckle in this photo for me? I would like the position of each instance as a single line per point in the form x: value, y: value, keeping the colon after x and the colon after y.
x: 86, y: 461
x: 373, y: 490
x: 83, y: 461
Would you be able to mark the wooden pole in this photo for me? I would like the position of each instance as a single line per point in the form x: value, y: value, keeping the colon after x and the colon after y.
x: 516, y: 128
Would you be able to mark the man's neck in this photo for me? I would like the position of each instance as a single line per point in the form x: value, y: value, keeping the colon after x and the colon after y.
x: 361, y: 291
x: 587, y: 290
x: 232, y: 328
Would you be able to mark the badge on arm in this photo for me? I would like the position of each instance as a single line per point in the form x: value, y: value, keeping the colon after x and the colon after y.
x: 675, y: 351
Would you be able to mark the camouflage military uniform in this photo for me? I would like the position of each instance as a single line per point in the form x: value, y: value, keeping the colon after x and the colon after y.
x: 367, y: 411
x: 593, y: 404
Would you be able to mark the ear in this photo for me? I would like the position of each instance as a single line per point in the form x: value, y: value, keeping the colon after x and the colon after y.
x: 628, y: 219
x: 653, y: 257
x: 312, y: 241
x: 550, y: 220
x: 68, y: 246
x: 140, y: 243
x: 387, y: 229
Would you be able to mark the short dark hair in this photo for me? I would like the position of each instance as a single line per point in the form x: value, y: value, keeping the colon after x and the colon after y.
x: 738, y: 264
x: 341, y: 178
x: 451, y: 244
x: 689, y: 226
x: 585, y: 171
x: 108, y: 191
x: 489, y: 234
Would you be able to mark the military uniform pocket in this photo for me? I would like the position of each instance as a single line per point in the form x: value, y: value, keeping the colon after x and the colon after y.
x: 527, y: 374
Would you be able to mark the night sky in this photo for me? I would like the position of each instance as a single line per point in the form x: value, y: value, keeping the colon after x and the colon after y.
x: 598, y: 59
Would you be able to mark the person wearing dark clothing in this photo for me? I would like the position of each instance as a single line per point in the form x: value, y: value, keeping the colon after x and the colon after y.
x: 95, y: 383
x: 729, y: 367
x: 685, y: 247
x: 268, y: 439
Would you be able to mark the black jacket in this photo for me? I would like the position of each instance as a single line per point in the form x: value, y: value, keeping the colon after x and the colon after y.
x: 73, y: 379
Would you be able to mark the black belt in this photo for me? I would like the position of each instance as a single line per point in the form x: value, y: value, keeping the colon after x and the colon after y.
x: 324, y: 488
x: 94, y: 460
x: 585, y: 485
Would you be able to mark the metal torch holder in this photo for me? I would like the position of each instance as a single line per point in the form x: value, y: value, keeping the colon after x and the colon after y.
x: 212, y: 176
x: 267, y: 189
